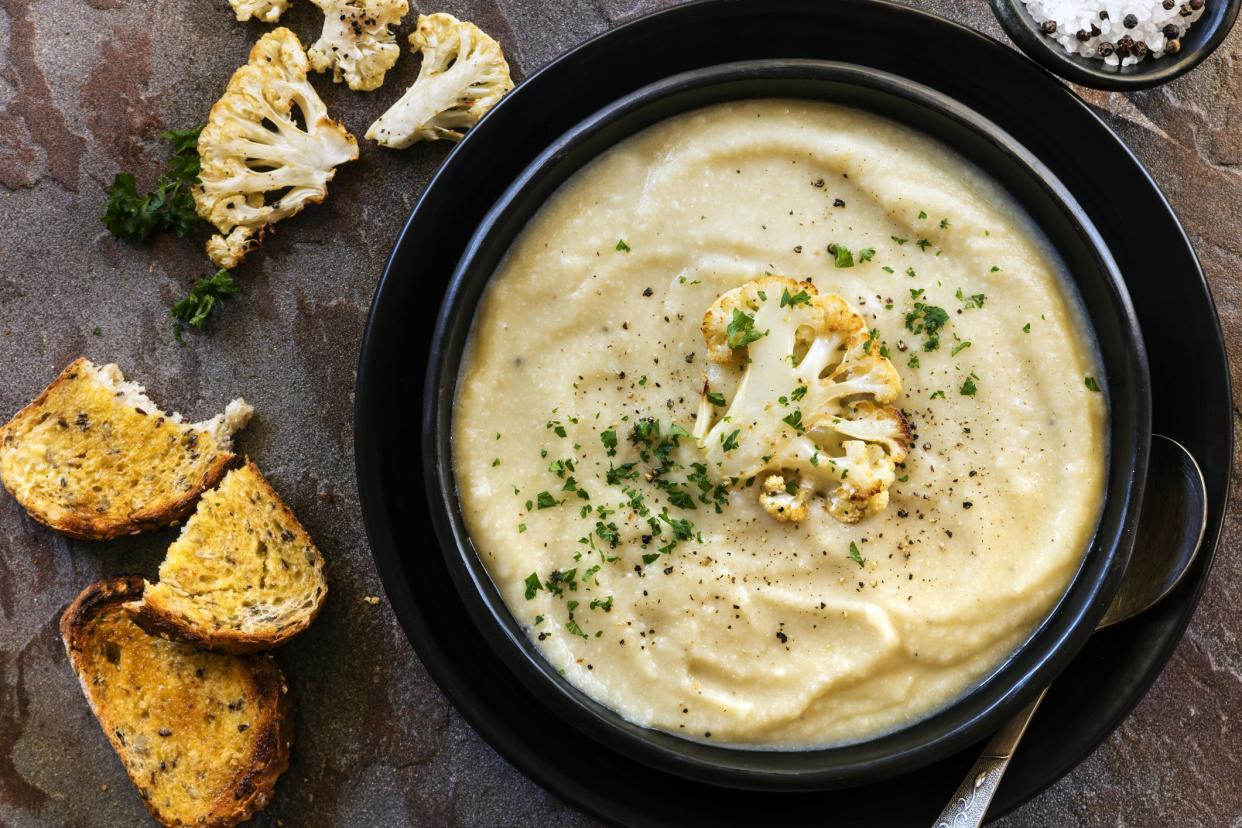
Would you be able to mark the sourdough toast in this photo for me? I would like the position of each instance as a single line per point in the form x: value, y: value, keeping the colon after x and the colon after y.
x: 203, y: 736
x: 243, y: 576
x: 95, y: 458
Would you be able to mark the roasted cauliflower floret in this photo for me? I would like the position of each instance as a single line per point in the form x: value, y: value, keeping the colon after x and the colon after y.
x: 783, y: 500
x: 809, y: 409
x: 259, y: 165
x: 269, y: 11
x: 464, y: 74
x: 357, y: 43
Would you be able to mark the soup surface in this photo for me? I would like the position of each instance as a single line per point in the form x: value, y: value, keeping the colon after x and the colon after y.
x: 666, y: 590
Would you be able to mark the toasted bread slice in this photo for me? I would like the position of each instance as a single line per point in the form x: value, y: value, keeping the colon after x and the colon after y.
x: 203, y: 736
x: 94, y: 458
x: 244, y: 576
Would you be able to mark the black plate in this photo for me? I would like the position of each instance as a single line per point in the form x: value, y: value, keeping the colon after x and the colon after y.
x: 1013, y: 684
x: 1185, y: 348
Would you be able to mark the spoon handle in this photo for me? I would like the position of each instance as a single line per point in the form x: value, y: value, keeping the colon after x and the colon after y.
x: 970, y: 801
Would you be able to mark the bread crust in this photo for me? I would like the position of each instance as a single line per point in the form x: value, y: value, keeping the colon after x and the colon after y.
x: 157, y: 621
x: 252, y: 786
x: 84, y: 527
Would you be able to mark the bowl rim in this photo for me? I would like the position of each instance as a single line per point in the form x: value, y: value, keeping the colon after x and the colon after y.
x: 1021, y: 29
x: 1107, y: 554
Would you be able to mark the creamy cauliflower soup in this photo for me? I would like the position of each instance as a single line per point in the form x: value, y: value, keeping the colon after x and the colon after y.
x: 779, y: 426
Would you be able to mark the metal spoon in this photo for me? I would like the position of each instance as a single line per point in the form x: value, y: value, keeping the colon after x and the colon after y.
x: 1170, y: 530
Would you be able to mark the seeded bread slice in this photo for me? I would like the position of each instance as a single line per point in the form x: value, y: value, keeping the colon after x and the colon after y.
x: 203, y: 736
x: 244, y: 576
x: 95, y: 458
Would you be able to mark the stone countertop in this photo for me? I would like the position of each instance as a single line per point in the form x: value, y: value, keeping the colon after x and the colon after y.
x: 85, y: 87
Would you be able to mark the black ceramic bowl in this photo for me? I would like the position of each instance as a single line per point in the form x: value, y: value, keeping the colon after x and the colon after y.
x: 1208, y: 32
x: 1047, y: 650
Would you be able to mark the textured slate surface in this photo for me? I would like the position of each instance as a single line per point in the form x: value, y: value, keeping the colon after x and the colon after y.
x: 85, y: 87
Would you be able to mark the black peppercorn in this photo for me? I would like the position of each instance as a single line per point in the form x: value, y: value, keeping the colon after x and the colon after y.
x: 1195, y: 5
x: 1184, y: 10
x: 1103, y: 15
x: 1083, y: 35
x: 1105, y: 49
x: 1173, y: 47
x: 1140, y: 49
x: 1095, y: 30
x: 1168, y: 4
x: 1129, y: 21
x: 1124, y: 45
x: 1170, y: 31
x: 1050, y: 27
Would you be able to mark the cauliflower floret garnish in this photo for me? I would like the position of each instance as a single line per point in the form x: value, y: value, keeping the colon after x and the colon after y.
x: 464, y: 74
x: 357, y: 43
x: 258, y: 164
x: 809, y: 413
x: 269, y: 11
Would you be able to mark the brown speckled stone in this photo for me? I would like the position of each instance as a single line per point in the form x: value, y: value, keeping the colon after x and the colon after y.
x: 84, y: 90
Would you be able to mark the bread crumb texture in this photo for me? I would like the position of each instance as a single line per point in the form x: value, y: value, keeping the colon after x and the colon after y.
x: 243, y: 575
x: 93, y: 456
x: 202, y: 735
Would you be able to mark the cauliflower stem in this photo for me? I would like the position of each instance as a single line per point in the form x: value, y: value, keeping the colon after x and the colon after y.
x: 464, y: 74
x: 809, y: 412
x: 259, y: 165
x: 357, y: 43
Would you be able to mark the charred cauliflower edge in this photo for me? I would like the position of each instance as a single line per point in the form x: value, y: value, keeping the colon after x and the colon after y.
x: 809, y: 412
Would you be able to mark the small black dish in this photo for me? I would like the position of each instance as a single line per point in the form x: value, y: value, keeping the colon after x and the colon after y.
x: 1106, y: 301
x: 1207, y: 33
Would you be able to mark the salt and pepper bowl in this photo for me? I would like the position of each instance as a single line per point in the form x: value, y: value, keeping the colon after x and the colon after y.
x: 1207, y: 33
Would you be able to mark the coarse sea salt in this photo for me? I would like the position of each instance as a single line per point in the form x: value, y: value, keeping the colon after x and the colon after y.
x: 1118, y: 32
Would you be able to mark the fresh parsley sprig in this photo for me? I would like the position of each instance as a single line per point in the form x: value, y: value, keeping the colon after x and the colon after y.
x: 170, y: 206
x: 195, y: 309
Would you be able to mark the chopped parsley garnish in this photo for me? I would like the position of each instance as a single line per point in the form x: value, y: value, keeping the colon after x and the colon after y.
x: 715, y: 398
x: 794, y: 420
x: 923, y: 244
x: 1026, y: 328
x: 546, y: 500
x: 532, y: 585
x: 495, y: 462
x: 556, y: 427
x: 1091, y: 384
x: 927, y: 320
x: 995, y: 269
x: 170, y: 206
x: 521, y: 528
x: 609, y: 439
x: 959, y: 347
x: 913, y: 362
x: 605, y: 605
x: 622, y: 246
x: 616, y: 474
x: 922, y: 214
x: 573, y: 627
x: 887, y: 269
x: 855, y: 555
x: 798, y: 393
x: 915, y: 293
x: 969, y: 388
x: 799, y: 298
x: 207, y: 292
x: 872, y: 336
x: 842, y: 256
x: 741, y: 330
x: 944, y: 224
x: 938, y: 395
x: 898, y: 239
x: 729, y: 442
x: 975, y: 300
x: 866, y: 254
